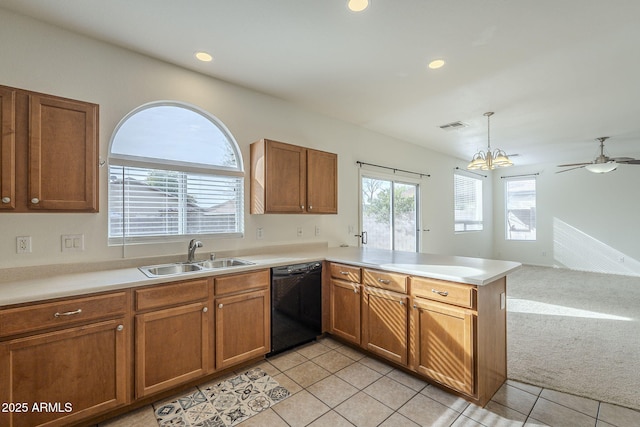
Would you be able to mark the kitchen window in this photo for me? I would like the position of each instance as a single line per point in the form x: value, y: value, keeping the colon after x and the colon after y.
x: 467, y: 200
x: 520, y: 196
x: 174, y: 171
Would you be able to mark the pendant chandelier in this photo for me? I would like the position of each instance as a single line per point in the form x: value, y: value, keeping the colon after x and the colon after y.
x: 489, y: 160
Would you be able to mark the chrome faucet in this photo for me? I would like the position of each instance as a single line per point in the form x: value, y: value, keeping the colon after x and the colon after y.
x: 193, y: 245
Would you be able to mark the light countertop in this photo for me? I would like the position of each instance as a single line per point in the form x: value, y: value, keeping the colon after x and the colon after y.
x: 474, y: 271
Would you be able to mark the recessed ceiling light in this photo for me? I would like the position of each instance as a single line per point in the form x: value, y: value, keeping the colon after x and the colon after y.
x: 435, y: 64
x: 357, y: 5
x: 204, y: 56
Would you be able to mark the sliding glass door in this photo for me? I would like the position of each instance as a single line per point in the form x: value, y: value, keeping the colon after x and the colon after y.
x: 389, y: 213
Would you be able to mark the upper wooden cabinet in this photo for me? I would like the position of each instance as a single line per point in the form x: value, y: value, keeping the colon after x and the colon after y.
x: 49, y: 153
x: 287, y: 178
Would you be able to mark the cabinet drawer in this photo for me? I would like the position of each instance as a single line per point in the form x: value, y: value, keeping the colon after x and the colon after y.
x: 172, y: 294
x: 61, y: 313
x: 385, y: 280
x: 443, y: 291
x: 242, y: 282
x: 345, y: 272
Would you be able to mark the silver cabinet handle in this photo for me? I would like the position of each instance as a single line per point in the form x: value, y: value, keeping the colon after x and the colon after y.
x: 205, y: 309
x: 401, y: 302
x: 385, y: 281
x: 6, y: 199
x: 442, y: 293
x: 344, y: 273
x: 35, y: 200
x: 301, y: 207
x: 220, y: 306
x: 355, y: 290
x: 120, y: 328
x: 68, y: 313
x: 310, y: 207
x: 415, y: 306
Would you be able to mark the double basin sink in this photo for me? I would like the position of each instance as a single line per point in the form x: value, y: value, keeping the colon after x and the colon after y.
x: 191, y: 267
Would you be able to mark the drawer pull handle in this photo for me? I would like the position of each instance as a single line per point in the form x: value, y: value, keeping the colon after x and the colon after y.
x: 401, y: 302
x: 6, y: 199
x: 385, y: 281
x: 120, y: 328
x: 220, y: 305
x: 344, y: 273
x: 442, y: 293
x: 205, y: 309
x: 35, y: 200
x: 68, y: 313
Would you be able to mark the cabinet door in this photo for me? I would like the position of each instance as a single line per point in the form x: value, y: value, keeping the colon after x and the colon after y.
x: 444, y: 344
x: 63, y: 147
x: 286, y: 173
x: 385, y: 324
x: 322, y: 182
x: 171, y: 347
x: 75, y: 373
x: 243, y: 327
x: 345, y: 310
x: 7, y: 148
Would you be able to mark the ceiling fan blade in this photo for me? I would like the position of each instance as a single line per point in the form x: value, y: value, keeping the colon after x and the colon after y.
x: 629, y: 162
x: 622, y: 159
x: 576, y: 167
x: 574, y: 164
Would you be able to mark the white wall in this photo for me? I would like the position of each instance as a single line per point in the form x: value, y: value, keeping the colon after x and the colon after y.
x: 42, y: 58
x: 585, y: 221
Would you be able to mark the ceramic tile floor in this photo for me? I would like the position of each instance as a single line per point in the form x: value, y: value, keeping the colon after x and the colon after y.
x: 334, y: 385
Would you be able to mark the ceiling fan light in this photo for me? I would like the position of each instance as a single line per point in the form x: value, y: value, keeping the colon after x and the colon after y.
x: 602, y: 167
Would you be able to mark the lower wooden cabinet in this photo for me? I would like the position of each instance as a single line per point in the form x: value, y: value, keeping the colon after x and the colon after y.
x: 243, y: 318
x: 172, y: 342
x: 385, y: 324
x: 344, y: 306
x: 444, y: 344
x: 60, y: 377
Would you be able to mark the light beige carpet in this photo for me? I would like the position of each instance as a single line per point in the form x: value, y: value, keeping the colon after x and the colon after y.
x: 575, y: 332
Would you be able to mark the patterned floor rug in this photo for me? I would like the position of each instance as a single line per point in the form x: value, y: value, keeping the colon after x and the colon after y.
x: 222, y: 404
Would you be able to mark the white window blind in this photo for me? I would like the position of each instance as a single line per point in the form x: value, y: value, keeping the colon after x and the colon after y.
x: 154, y: 202
x: 467, y: 203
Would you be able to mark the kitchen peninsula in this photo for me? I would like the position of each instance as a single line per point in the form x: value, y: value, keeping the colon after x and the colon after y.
x: 450, y: 312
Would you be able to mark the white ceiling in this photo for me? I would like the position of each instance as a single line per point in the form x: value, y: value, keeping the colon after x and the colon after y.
x: 557, y: 73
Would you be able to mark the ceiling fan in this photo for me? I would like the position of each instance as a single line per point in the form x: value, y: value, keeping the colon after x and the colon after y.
x: 602, y: 163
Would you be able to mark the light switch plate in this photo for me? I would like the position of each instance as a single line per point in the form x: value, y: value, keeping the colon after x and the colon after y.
x: 72, y: 242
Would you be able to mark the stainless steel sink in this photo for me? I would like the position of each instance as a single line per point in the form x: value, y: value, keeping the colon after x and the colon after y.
x: 169, y: 269
x: 223, y: 262
x: 183, y: 268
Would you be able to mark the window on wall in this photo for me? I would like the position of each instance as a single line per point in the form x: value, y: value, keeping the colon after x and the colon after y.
x: 174, y: 171
x: 467, y: 197
x: 520, y: 196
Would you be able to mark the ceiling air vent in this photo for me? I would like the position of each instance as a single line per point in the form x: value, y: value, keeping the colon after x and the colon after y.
x: 454, y: 126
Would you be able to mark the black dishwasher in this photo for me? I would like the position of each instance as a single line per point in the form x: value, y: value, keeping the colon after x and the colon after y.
x: 296, y: 305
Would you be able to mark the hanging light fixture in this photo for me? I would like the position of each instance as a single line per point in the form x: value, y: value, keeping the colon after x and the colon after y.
x: 491, y: 159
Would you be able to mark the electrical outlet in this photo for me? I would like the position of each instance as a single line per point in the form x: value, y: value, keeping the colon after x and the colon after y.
x: 299, y: 231
x: 317, y: 230
x: 23, y: 244
x: 259, y: 233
